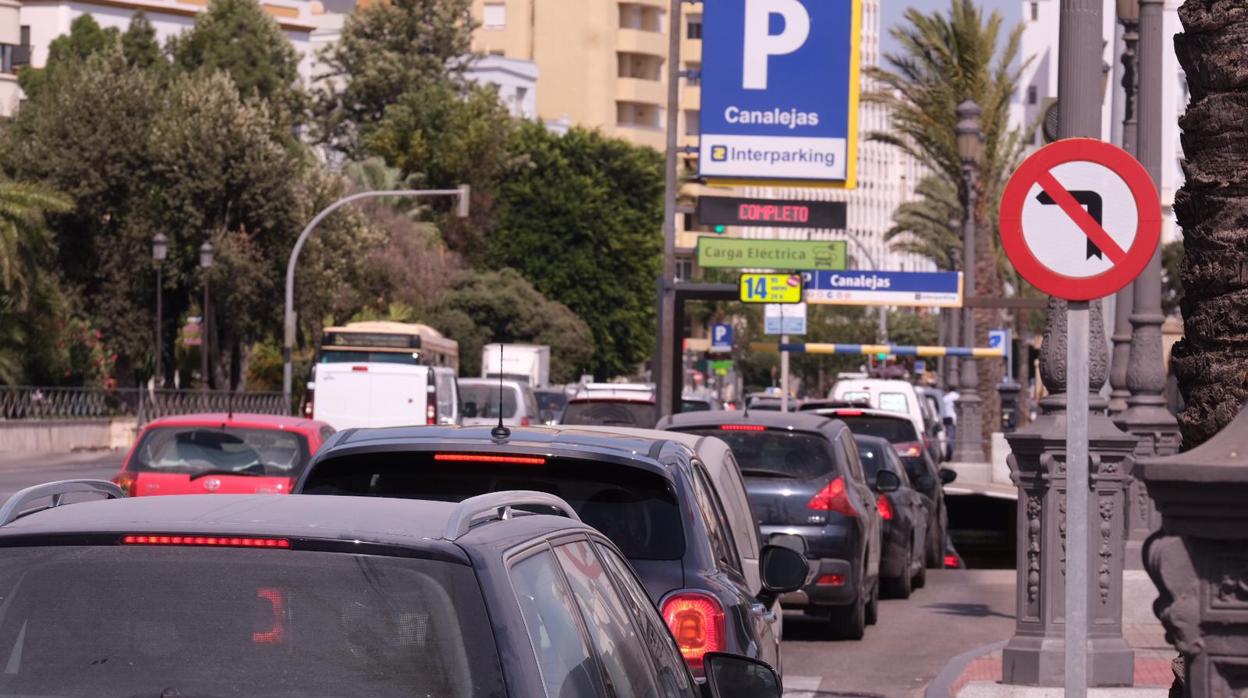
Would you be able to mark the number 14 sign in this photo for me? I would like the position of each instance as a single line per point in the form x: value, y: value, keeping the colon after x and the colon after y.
x: 771, y: 288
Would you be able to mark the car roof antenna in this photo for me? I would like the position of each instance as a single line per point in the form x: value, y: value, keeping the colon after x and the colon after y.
x: 500, y: 432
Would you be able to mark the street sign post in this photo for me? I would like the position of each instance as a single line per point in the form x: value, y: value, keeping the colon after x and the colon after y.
x: 784, y: 319
x: 721, y: 338
x: 771, y: 288
x: 1080, y: 219
x: 763, y: 118
x: 915, y: 289
x: 798, y: 255
x: 772, y: 213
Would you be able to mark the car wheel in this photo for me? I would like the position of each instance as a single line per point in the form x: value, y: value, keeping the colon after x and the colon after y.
x: 849, y: 622
x: 936, y: 548
x: 872, y: 611
x: 900, y: 587
x: 920, y: 578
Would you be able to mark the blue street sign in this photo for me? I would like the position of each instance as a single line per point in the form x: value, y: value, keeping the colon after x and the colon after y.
x: 780, y: 90
x: 721, y: 338
x: 997, y: 339
x: 920, y: 367
x: 935, y: 289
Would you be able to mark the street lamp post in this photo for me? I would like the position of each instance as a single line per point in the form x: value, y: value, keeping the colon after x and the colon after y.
x: 1129, y: 17
x: 206, y: 255
x: 969, y: 447
x: 463, y: 194
x: 160, y: 250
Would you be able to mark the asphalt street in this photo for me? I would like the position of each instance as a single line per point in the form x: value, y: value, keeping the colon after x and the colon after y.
x: 957, y: 611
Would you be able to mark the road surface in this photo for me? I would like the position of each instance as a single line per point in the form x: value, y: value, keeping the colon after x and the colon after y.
x: 20, y: 471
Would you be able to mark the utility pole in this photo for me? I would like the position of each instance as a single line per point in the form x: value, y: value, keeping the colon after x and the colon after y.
x: 664, y: 373
x: 969, y: 447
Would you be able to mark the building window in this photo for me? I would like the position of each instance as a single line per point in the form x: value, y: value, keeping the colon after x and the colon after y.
x: 638, y: 114
x: 495, y: 16
x: 693, y: 27
x: 1032, y: 96
x: 684, y: 269
x: 693, y: 122
x: 1035, y: 11
x: 636, y: 65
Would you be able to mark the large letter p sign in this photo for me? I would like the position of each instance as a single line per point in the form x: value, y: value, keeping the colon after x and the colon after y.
x: 761, y: 44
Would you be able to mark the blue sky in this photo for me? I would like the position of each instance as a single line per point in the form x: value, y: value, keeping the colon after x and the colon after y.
x: 891, y: 12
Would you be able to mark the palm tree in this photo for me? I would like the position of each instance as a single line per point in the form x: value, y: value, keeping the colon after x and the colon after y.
x: 23, y: 236
x: 944, y: 59
x: 1211, y: 361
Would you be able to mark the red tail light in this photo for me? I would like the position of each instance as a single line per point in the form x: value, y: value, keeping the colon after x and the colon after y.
x: 830, y: 580
x: 833, y: 498
x: 952, y: 561
x: 211, y: 541
x: 360, y: 369
x: 524, y: 421
x: 885, y: 507
x: 697, y: 622
x: 431, y: 413
x: 481, y: 458
x: 743, y: 427
x: 849, y: 413
x: 909, y: 449
x: 128, y: 482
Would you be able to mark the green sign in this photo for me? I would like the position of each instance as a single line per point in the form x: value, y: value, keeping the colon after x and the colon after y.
x: 720, y: 368
x: 798, y: 255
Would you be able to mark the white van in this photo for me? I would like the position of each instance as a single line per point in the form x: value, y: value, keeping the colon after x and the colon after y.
x: 381, y: 394
x: 891, y: 396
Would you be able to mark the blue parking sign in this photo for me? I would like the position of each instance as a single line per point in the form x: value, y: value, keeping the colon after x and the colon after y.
x: 780, y: 90
x: 996, y: 339
x: 721, y: 338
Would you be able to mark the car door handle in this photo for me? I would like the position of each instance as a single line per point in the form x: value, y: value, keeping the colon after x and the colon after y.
x: 761, y: 610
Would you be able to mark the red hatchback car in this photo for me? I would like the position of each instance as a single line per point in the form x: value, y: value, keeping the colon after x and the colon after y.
x: 221, y: 454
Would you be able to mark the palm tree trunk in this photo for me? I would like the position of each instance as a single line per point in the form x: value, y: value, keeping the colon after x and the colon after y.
x: 1211, y: 361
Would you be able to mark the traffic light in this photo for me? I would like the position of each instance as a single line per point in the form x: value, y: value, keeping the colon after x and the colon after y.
x: 882, y: 356
x: 719, y: 229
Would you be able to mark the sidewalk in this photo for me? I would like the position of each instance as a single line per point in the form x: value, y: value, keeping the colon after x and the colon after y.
x: 981, y: 676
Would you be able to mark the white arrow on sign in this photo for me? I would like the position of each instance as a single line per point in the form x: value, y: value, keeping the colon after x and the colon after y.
x: 1079, y: 219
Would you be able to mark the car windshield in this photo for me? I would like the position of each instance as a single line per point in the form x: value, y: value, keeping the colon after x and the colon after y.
x: 118, y: 621
x: 482, y: 400
x: 246, y: 451
x: 613, y: 413
x: 633, y: 507
x: 775, y: 453
x: 893, y: 430
x: 551, y: 401
x: 894, y: 402
x: 370, y: 357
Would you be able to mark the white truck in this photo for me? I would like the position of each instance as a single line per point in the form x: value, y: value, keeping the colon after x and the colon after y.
x: 527, y: 363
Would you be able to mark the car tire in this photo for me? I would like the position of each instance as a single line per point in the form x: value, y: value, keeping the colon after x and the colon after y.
x: 920, y: 578
x: 871, y: 614
x: 936, y: 548
x: 849, y: 622
x: 900, y: 587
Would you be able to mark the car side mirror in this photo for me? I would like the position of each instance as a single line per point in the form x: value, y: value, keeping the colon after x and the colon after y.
x: 790, y: 541
x: 783, y: 569
x: 735, y: 676
x: 887, y: 481
x: 947, y: 476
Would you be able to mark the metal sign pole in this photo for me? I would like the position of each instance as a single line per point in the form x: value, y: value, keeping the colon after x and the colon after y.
x: 1077, y: 500
x: 784, y: 366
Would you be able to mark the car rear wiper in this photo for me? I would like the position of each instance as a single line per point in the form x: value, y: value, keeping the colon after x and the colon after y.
x: 206, y: 473
x: 760, y: 472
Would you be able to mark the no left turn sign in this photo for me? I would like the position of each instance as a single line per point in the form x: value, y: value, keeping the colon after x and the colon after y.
x: 1080, y: 219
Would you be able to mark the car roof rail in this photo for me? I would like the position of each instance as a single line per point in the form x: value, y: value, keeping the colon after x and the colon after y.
x: 19, y: 503
x: 503, y: 505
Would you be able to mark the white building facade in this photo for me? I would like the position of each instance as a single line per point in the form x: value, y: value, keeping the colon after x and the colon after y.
x: 516, y: 80
x: 13, y: 53
x: 1038, y: 88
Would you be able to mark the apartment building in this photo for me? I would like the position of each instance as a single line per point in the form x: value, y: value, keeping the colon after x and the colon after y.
x: 1038, y: 88
x: 14, y: 52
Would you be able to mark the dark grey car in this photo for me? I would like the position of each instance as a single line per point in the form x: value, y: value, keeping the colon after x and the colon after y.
x: 904, y: 516
x: 804, y: 477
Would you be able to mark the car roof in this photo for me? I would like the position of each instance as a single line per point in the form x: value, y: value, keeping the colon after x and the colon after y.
x: 831, y: 412
x: 387, y: 521
x: 236, y: 419
x: 709, y: 449
x: 877, y: 383
x: 805, y: 421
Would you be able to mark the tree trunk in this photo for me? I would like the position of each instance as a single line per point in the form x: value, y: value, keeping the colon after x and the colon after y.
x: 1211, y: 361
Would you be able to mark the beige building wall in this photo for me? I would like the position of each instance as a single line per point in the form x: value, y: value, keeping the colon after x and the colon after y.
x: 10, y: 50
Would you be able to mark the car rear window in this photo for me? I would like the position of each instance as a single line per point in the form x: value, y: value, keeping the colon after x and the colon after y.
x: 200, y: 450
x: 776, y: 452
x: 370, y: 357
x: 613, y: 413
x: 482, y: 401
x: 635, y: 508
x: 872, y: 454
x: 695, y: 406
x: 121, y: 621
x: 551, y: 401
x: 892, y: 430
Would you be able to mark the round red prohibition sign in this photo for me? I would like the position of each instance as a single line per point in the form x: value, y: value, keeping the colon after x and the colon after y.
x: 1080, y: 219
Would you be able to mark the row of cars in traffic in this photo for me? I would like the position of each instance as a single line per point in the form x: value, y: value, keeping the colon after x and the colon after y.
x: 612, y: 557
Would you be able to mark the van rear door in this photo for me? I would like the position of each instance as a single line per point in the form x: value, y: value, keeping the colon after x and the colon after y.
x: 399, y: 395
x: 350, y: 395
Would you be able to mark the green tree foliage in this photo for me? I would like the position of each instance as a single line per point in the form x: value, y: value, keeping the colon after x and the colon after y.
x: 239, y: 38
x: 85, y: 38
x: 389, y: 50
x: 501, y: 306
x: 926, y: 226
x: 24, y: 237
x: 582, y: 224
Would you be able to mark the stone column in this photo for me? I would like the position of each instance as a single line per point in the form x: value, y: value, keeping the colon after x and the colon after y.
x: 1199, y: 558
x: 1035, y: 655
x: 1123, y: 299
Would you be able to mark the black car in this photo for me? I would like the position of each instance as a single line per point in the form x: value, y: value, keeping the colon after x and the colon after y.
x: 652, y: 497
x: 312, y: 596
x: 927, y: 477
x: 904, y: 516
x: 804, y: 477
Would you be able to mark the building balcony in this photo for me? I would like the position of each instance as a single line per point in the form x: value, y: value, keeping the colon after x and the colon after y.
x: 641, y: 91
x: 642, y: 135
x: 691, y: 50
x: 638, y: 41
x: 690, y: 96
x: 664, y: 5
